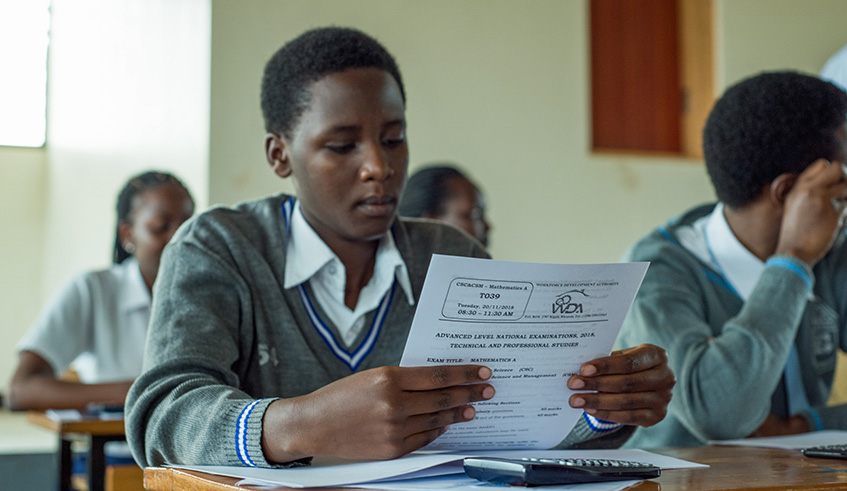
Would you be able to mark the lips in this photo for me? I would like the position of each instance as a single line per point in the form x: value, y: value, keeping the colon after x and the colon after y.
x: 378, y: 206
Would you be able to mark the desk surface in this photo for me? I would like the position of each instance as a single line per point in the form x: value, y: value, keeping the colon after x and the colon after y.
x: 762, y: 469
x: 87, y: 425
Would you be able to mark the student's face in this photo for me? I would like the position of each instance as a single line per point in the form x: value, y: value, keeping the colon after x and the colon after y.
x: 347, y: 155
x: 464, y: 209
x: 155, y: 216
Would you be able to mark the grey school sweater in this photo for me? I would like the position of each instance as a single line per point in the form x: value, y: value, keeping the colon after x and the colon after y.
x: 226, y: 339
x: 729, y: 355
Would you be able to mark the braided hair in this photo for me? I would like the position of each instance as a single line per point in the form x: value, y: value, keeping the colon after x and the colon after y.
x: 126, y: 203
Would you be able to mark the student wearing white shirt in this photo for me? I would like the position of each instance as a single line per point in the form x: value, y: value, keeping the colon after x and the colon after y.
x: 97, y: 322
x: 749, y: 296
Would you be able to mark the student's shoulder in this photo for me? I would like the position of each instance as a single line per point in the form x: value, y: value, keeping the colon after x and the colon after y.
x: 106, y: 279
x: 250, y: 220
x: 435, y: 237
x: 674, y: 246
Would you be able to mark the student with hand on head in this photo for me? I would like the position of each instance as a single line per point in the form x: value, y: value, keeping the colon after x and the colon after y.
x: 749, y: 295
x: 442, y: 192
x: 278, y: 324
x: 98, y: 321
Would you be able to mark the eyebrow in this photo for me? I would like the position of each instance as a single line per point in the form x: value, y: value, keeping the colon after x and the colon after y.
x: 352, y: 127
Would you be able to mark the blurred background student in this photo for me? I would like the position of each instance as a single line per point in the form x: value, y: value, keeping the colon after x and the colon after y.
x: 442, y: 192
x: 97, y: 322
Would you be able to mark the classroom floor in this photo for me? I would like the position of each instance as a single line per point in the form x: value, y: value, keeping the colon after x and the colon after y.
x: 27, y: 455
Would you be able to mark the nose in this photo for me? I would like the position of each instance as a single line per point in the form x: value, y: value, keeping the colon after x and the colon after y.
x: 375, y: 165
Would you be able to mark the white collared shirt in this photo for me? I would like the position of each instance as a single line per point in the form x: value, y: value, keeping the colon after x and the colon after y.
x: 97, y: 322
x: 308, y: 258
x: 740, y: 267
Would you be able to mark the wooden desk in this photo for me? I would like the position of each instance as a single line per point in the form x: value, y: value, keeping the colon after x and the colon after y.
x: 95, y: 430
x: 762, y: 469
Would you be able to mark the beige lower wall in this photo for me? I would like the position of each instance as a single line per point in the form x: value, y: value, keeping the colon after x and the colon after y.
x: 23, y: 177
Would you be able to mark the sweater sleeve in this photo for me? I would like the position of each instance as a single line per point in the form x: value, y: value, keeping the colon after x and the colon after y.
x: 726, y: 373
x: 187, y: 406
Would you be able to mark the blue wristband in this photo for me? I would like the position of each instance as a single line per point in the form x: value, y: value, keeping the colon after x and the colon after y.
x: 791, y: 265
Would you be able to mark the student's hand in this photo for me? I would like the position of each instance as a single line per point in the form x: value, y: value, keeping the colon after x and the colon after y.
x: 34, y: 385
x: 814, y: 212
x: 776, y: 426
x: 380, y: 413
x: 633, y: 386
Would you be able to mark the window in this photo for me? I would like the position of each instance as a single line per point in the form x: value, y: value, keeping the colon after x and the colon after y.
x: 24, y: 30
x: 651, y: 75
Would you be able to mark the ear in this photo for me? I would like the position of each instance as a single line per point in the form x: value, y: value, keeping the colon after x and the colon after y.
x: 780, y: 187
x: 125, y: 233
x: 276, y: 151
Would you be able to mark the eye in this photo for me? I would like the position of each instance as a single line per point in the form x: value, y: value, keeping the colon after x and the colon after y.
x: 340, y: 148
x: 394, y: 142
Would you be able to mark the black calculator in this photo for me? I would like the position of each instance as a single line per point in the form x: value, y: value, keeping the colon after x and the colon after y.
x: 838, y: 451
x: 538, y: 472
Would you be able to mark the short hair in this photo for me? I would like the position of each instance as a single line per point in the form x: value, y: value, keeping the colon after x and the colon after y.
x: 427, y: 191
x: 767, y: 125
x: 308, y: 58
x: 125, y: 207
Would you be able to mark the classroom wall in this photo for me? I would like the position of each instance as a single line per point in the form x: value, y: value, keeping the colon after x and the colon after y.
x: 128, y: 91
x: 23, y: 174
x: 499, y: 86
x: 502, y: 87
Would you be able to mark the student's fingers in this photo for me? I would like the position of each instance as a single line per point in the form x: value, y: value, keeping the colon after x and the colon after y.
x: 451, y: 398
x: 439, y: 419
x: 597, y: 401
x: 439, y: 377
x: 630, y: 360
x: 418, y: 440
x: 656, y: 378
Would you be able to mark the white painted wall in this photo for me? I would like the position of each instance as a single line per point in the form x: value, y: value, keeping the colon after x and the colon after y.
x: 23, y: 173
x: 128, y: 91
x: 500, y: 86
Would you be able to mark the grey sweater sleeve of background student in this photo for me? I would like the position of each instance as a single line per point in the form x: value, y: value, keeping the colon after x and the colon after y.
x: 726, y: 373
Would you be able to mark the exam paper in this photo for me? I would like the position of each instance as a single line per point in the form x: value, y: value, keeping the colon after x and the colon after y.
x: 533, y: 325
x: 422, y: 469
x: 802, y: 440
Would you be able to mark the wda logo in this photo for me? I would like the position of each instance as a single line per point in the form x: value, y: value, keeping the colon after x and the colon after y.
x: 564, y: 303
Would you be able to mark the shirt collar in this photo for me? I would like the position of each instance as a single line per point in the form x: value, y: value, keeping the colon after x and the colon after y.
x: 740, y: 267
x: 307, y: 254
x: 133, y: 293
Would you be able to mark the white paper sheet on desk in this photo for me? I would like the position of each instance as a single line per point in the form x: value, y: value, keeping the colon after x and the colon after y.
x: 457, y: 482
x: 803, y: 440
x: 331, y: 473
x: 533, y: 325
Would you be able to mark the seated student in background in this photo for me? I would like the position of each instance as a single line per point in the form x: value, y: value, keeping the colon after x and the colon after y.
x: 749, y: 295
x: 98, y: 320
x: 277, y: 324
x: 442, y: 192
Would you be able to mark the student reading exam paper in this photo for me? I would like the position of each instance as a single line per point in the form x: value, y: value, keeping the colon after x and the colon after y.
x: 278, y: 324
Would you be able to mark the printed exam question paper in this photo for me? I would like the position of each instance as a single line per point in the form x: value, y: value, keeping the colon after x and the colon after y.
x: 533, y: 325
